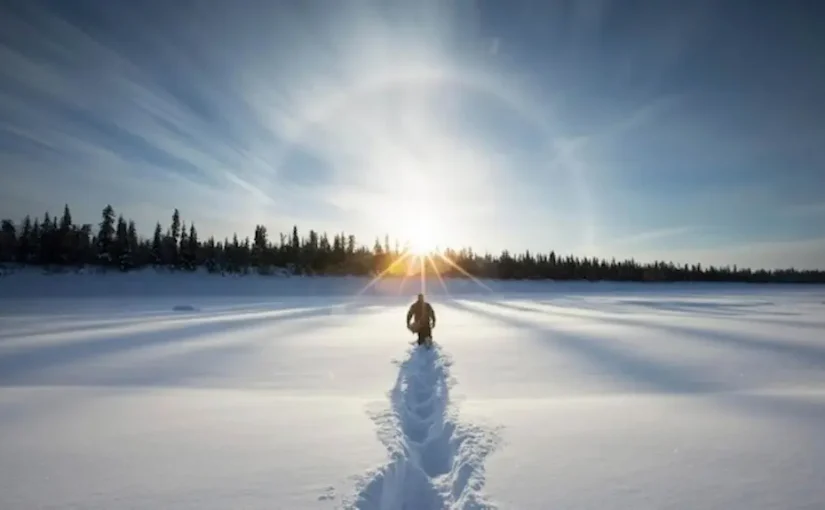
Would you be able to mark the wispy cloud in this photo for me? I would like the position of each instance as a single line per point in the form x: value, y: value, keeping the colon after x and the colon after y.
x: 353, y: 116
x: 360, y: 99
x: 109, y: 121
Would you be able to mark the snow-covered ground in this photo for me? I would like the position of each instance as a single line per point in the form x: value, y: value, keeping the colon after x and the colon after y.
x: 296, y: 394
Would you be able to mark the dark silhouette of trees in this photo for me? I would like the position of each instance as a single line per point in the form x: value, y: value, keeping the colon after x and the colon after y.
x: 60, y: 244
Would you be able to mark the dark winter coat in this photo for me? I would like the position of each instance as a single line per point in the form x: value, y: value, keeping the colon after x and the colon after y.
x: 423, y: 313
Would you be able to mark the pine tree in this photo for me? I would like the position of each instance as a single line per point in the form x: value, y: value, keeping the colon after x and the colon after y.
x: 25, y: 242
x: 84, y: 245
x: 173, y: 256
x: 192, y: 248
x: 46, y: 240
x: 210, y: 255
x: 121, y: 251
x: 106, y: 237
x: 36, y: 241
x: 259, y: 249
x: 183, y: 248
x: 176, y: 226
x: 67, y: 238
x: 133, y: 242
x: 157, y: 245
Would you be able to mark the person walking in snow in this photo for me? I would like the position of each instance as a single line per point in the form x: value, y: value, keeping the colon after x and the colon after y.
x: 424, y: 321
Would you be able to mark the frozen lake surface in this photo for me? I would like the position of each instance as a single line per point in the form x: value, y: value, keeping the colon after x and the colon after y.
x: 196, y: 392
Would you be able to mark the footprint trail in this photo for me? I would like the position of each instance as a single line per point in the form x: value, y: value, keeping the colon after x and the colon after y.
x: 436, y: 461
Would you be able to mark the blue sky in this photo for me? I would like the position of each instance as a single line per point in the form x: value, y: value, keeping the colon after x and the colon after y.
x: 685, y: 131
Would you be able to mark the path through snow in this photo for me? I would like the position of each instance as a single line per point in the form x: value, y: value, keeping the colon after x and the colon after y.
x: 435, y: 460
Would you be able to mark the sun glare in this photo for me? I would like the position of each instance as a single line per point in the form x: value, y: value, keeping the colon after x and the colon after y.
x: 420, y: 232
x: 421, y: 245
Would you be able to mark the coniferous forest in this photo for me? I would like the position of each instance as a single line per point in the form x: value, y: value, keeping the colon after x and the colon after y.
x: 60, y: 244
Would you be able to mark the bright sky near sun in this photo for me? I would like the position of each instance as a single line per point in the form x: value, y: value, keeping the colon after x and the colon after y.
x: 685, y: 131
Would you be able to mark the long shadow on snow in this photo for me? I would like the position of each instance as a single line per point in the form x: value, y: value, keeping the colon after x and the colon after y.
x: 102, y: 319
x: 709, y: 308
x: 633, y: 369
x: 16, y: 364
x: 733, y: 317
x: 806, y: 354
x: 207, y: 363
x: 509, y: 306
x: 729, y: 311
x: 90, y: 326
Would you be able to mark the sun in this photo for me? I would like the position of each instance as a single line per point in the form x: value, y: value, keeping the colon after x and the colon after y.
x: 422, y: 245
x: 420, y: 232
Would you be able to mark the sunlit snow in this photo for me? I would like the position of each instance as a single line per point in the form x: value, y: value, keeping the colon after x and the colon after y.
x: 205, y: 392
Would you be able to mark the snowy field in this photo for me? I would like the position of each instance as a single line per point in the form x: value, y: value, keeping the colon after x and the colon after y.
x: 300, y: 394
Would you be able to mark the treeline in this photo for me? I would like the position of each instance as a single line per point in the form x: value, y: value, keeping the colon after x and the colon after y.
x: 114, y: 243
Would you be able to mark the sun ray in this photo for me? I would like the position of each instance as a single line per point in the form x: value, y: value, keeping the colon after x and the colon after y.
x: 404, y: 279
x: 438, y: 275
x: 423, y: 274
x: 462, y: 271
x: 383, y: 273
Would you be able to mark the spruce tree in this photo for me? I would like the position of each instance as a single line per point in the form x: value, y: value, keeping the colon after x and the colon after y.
x: 157, y: 246
x: 121, y: 251
x: 106, y: 236
x: 67, y: 238
x: 192, y: 248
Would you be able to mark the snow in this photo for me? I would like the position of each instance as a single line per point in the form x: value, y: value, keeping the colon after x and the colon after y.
x: 301, y: 393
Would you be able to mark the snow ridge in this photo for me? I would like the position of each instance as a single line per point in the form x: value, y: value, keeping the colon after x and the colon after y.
x: 436, y: 461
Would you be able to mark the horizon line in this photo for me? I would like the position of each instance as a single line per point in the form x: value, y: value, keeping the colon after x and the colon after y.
x: 396, y: 247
